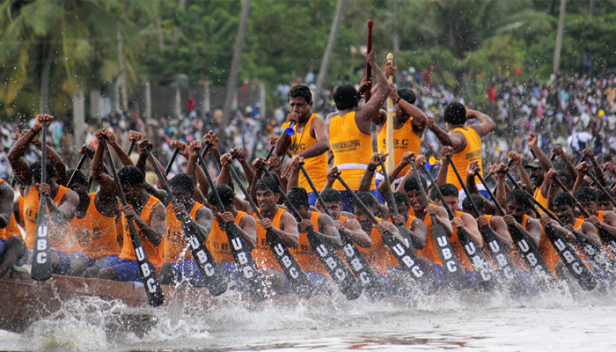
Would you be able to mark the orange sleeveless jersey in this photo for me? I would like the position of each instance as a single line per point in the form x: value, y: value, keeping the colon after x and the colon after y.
x: 11, y: 229
x: 304, y: 255
x: 471, y: 153
x: 20, y: 200
x: 62, y: 236
x: 457, y: 246
x: 352, y: 150
x: 96, y: 233
x: 429, y: 251
x: 546, y: 250
x: 218, y: 241
x: 174, y: 244
x: 578, y: 226
x: 154, y: 253
x: 376, y: 255
x: 514, y: 256
x: 262, y: 254
x: 316, y: 166
x: 405, y: 140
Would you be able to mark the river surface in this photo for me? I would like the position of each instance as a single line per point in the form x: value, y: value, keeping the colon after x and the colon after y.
x: 553, y: 321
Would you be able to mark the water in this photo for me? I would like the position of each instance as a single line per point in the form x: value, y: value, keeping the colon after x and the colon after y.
x: 453, y: 321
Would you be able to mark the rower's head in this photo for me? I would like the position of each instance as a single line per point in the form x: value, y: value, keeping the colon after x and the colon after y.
x: 518, y: 204
x: 402, y: 203
x: 79, y: 184
x: 563, y: 176
x: 467, y: 207
x: 535, y: 172
x: 450, y: 193
x: 407, y: 95
x: 35, y: 172
x: 588, y: 199
x: 227, y: 197
x: 455, y: 114
x: 300, y: 101
x: 267, y: 193
x: 563, y: 207
x: 299, y: 199
x: 131, y: 179
x: 182, y: 187
x: 413, y: 191
x: 603, y: 201
x: 333, y: 202
x: 360, y: 215
x: 346, y: 97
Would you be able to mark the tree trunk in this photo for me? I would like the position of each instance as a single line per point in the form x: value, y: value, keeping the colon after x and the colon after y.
x: 559, y: 36
x: 230, y: 101
x: 45, y: 78
x: 328, y: 51
x: 122, y: 76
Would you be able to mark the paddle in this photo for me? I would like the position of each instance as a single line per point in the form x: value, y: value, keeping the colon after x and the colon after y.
x: 170, y: 164
x: 213, y: 275
x: 474, y: 254
x: 130, y: 149
x: 338, y: 272
x: 241, y: 254
x: 606, y: 237
x: 148, y: 277
x: 569, y: 258
x: 524, y: 245
x: 77, y: 168
x: 41, y: 263
x: 356, y: 260
x: 302, y: 286
x: 406, y: 257
x: 499, y: 257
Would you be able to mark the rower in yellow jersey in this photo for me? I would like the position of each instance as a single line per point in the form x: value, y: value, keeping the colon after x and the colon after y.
x: 409, y: 126
x: 310, y: 140
x: 465, y: 140
x: 350, y: 131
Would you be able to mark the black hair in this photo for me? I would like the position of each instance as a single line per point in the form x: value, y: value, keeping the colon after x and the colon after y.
x: 466, y: 203
x: 602, y: 196
x: 300, y: 91
x: 80, y: 177
x: 267, y: 183
x: 400, y: 197
x: 407, y: 95
x: 345, y: 97
x: 586, y: 194
x: 35, y: 170
x: 455, y: 113
x: 448, y: 190
x: 183, y: 181
x: 131, y: 176
x: 225, y: 193
x: 411, y: 184
x: 298, y: 197
x: 331, y: 195
x: 520, y: 197
x: 365, y: 197
x: 564, y: 198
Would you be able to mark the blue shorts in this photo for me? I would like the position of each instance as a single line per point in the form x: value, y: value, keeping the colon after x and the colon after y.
x: 320, y: 281
x: 189, y: 270
x: 127, y: 269
x: 312, y: 198
x: 347, y: 201
x: 110, y: 258
x: 3, y: 248
x: 439, y: 274
x: 383, y: 281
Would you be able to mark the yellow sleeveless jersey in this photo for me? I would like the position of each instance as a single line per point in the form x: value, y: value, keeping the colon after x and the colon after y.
x: 471, y: 153
x: 153, y: 252
x: 175, y: 247
x: 316, y: 166
x: 405, y: 140
x: 218, y: 241
x: 96, y: 233
x: 352, y: 150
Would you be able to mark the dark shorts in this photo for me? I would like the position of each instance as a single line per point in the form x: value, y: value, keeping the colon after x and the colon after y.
x: 110, y: 260
x: 384, y: 282
x: 320, y: 281
x: 3, y: 248
x: 439, y: 274
x: 347, y: 200
x: 126, y: 269
x: 189, y: 270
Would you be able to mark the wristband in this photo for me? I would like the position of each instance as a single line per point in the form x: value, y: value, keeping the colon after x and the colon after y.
x: 397, y: 100
x: 33, y: 131
x: 371, y: 168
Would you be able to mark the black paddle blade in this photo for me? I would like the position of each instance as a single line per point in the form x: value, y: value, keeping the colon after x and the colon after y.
x: 454, y: 273
x: 573, y: 263
x: 530, y: 255
x: 41, y: 268
x: 361, y: 270
x: 302, y: 286
x: 213, y: 275
x: 499, y: 257
x: 485, y: 274
x: 246, y: 264
x: 339, y: 273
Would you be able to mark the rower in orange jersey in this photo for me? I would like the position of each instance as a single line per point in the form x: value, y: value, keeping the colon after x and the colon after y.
x: 606, y: 219
x: 325, y: 227
x: 465, y: 140
x: 344, y: 220
x: 13, y: 250
x: 66, y: 255
x: 310, y: 140
x: 350, y: 131
x: 94, y: 222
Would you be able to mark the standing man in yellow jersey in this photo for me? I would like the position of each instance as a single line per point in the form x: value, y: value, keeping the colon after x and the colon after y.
x: 310, y: 140
x: 465, y: 140
x: 350, y: 132
x: 409, y: 126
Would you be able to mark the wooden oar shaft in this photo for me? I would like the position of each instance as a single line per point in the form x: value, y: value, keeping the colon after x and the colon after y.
x: 170, y: 164
x: 77, y: 168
